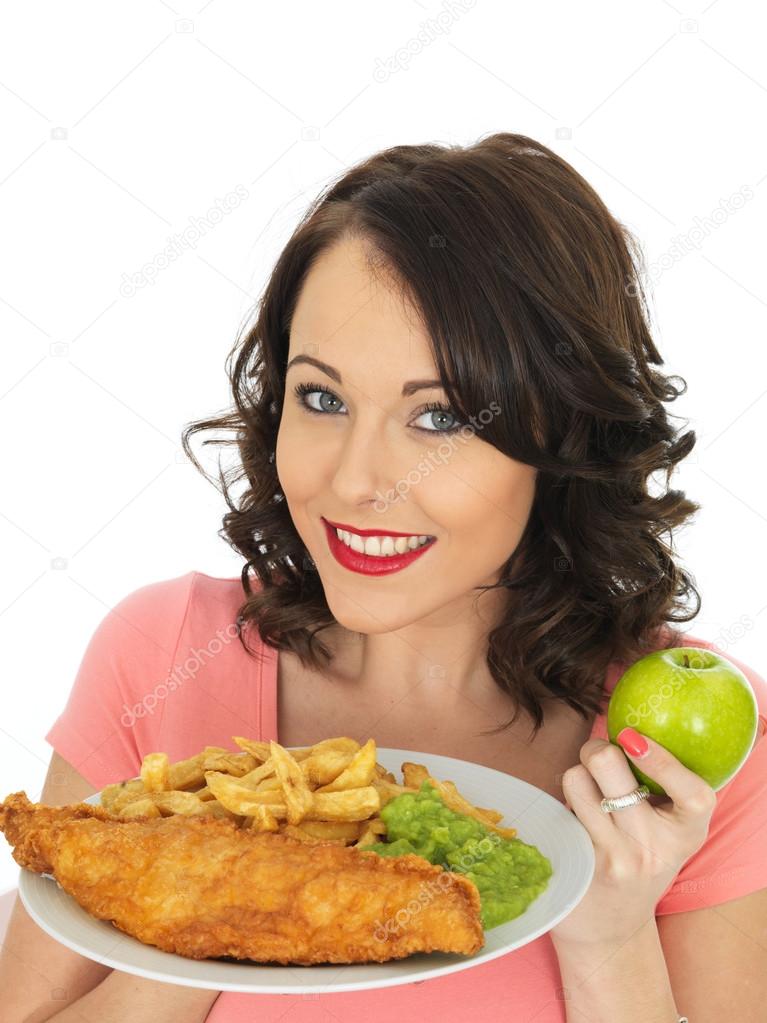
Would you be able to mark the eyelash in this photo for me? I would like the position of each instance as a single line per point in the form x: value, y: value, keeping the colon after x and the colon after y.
x: 301, y: 390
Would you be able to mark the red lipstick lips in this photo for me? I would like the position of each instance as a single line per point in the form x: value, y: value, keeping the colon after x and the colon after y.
x: 368, y: 532
x: 368, y: 564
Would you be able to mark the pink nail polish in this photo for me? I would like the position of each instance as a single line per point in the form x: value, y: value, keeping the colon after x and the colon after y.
x: 633, y: 743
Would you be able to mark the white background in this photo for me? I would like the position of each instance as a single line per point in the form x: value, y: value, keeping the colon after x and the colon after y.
x: 120, y: 122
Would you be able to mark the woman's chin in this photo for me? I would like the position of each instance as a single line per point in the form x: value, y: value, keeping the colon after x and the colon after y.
x: 353, y: 622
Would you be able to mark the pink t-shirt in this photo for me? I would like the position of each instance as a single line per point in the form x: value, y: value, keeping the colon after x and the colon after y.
x: 165, y: 670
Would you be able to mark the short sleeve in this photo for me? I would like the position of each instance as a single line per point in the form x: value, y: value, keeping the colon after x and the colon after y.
x: 132, y: 648
x: 732, y: 862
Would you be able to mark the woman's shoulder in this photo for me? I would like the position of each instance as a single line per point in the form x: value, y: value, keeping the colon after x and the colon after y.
x: 195, y: 590
x: 150, y: 621
x: 178, y: 586
x: 216, y: 599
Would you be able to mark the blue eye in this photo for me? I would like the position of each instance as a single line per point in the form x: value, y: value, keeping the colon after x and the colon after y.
x: 302, y: 392
x: 434, y: 408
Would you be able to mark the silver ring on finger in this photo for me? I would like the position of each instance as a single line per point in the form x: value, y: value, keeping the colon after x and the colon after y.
x: 621, y: 802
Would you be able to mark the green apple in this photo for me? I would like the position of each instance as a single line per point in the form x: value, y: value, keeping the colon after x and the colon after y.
x: 695, y: 703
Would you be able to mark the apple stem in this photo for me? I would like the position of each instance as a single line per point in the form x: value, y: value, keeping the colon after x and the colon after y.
x: 686, y: 660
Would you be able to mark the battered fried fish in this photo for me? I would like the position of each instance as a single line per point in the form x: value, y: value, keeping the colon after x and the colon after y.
x: 204, y: 888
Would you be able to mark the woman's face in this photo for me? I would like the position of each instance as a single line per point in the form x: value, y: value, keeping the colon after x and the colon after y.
x: 372, y: 458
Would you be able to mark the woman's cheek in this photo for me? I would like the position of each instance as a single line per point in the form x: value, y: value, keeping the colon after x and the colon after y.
x: 296, y: 458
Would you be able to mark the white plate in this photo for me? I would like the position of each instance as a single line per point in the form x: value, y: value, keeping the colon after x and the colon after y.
x: 540, y: 820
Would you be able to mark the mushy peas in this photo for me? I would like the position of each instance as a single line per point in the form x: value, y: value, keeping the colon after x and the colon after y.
x: 508, y: 873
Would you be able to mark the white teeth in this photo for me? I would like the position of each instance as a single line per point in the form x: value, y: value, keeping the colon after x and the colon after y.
x: 373, y: 546
x: 387, y: 546
x: 380, y: 546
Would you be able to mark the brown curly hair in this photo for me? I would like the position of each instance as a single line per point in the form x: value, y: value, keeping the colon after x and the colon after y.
x: 530, y: 292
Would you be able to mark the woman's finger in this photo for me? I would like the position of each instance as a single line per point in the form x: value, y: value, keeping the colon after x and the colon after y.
x: 611, y: 771
x: 584, y: 796
x: 611, y: 776
x: 692, y: 797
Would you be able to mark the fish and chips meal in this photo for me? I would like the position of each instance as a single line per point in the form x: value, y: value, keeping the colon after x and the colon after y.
x: 300, y: 856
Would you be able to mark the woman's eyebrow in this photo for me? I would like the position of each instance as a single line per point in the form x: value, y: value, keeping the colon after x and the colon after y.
x: 407, y: 389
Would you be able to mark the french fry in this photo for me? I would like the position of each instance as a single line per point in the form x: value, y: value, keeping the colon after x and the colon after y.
x: 296, y: 792
x: 351, y: 805
x: 186, y: 774
x: 154, y: 772
x: 383, y: 773
x: 371, y: 832
x: 212, y: 808
x: 414, y: 775
x: 235, y: 764
x: 332, y: 791
x: 118, y: 803
x: 264, y: 820
x: 341, y: 744
x: 299, y: 831
x: 360, y: 771
x: 325, y: 766
x: 186, y: 803
x: 257, y: 749
x: 140, y: 808
x: 111, y: 793
x: 271, y: 784
x: 494, y: 815
x: 238, y: 798
x: 261, y: 751
x: 254, y: 778
x: 388, y: 790
x: 204, y: 793
x: 346, y: 830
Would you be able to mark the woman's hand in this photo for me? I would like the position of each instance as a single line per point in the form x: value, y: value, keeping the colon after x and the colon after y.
x: 639, y: 849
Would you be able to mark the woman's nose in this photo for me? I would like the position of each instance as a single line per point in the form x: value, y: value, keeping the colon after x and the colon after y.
x: 364, y: 469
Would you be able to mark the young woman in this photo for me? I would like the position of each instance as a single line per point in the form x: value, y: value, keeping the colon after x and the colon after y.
x: 454, y: 511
